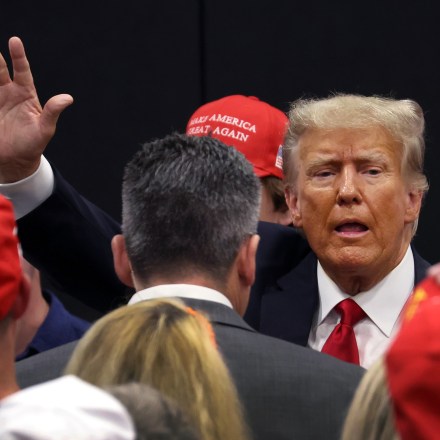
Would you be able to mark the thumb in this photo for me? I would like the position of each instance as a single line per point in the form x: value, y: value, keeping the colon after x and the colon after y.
x: 52, y: 110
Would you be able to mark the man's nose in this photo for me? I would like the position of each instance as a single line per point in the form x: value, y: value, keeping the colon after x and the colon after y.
x: 348, y: 187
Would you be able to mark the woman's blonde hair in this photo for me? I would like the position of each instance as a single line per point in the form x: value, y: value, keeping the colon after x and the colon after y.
x: 370, y: 416
x: 163, y: 344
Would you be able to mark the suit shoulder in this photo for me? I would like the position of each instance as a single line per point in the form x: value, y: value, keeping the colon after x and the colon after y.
x: 44, y: 366
x: 287, y: 359
x: 315, y: 359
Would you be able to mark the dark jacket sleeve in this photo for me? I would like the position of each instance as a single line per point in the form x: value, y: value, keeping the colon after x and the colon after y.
x: 68, y: 239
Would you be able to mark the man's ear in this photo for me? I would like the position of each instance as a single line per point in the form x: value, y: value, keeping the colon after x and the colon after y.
x: 121, y: 261
x: 294, y: 207
x: 413, y: 206
x: 22, y: 300
x: 284, y: 217
x: 246, y: 260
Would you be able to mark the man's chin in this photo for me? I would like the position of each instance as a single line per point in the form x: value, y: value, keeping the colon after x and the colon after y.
x: 349, y: 259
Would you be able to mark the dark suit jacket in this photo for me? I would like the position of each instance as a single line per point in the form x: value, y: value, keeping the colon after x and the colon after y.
x: 288, y: 392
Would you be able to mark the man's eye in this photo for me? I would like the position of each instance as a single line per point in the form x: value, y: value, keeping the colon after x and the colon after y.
x: 373, y: 171
x: 324, y: 174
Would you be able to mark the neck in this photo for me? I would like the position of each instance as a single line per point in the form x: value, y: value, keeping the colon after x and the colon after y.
x: 354, y: 285
x: 229, y: 288
x: 354, y: 281
x: 8, y: 380
x: 197, y: 280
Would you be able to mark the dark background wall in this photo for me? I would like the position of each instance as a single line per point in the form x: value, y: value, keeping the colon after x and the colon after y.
x: 137, y: 70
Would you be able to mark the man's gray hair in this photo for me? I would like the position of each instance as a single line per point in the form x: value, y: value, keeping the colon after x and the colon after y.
x: 188, y: 204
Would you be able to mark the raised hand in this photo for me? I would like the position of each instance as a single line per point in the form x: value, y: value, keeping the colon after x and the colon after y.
x: 25, y: 127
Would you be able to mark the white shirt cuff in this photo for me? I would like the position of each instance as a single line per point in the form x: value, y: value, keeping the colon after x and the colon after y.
x: 27, y: 194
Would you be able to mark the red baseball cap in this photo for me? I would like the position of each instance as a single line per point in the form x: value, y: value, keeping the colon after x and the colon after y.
x: 253, y: 127
x: 413, y: 365
x: 10, y: 268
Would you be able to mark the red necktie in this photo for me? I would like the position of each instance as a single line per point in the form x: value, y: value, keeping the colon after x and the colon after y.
x: 342, y: 342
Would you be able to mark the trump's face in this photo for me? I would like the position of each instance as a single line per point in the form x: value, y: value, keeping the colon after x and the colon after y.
x: 352, y: 201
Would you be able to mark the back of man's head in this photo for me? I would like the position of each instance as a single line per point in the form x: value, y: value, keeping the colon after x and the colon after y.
x: 188, y: 204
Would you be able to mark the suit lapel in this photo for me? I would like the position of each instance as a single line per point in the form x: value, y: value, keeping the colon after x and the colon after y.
x: 287, y: 309
x: 420, y: 267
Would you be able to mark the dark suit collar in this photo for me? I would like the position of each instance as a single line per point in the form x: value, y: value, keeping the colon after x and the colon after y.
x: 212, y: 302
x: 420, y: 267
x: 218, y: 313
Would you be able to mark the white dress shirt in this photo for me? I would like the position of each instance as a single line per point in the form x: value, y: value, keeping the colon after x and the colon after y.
x: 180, y: 291
x: 27, y: 194
x: 382, y: 304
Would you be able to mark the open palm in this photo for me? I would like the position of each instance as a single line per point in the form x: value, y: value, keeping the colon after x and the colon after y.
x: 25, y: 127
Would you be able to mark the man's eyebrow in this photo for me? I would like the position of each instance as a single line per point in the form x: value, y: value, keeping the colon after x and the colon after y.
x: 326, y: 159
x: 373, y: 156
x: 331, y: 159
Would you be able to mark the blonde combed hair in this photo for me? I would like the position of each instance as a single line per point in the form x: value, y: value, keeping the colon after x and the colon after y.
x: 157, y: 342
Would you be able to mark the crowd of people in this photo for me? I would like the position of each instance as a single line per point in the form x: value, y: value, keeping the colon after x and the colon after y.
x: 270, y: 268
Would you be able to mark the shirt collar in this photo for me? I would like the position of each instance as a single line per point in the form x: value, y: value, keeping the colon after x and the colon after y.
x: 181, y: 291
x: 383, y: 303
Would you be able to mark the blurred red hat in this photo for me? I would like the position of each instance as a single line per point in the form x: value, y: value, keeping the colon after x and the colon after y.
x: 253, y: 127
x: 10, y: 268
x: 413, y: 365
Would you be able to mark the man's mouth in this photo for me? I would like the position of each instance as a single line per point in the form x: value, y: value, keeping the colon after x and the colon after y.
x: 351, y: 228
